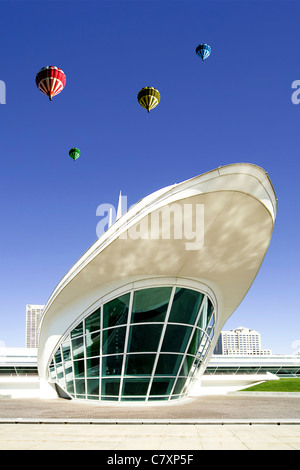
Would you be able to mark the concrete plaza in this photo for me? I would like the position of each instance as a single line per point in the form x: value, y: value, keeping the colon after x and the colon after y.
x: 226, y: 422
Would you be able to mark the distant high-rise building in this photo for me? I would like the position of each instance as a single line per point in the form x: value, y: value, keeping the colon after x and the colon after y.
x: 33, y: 317
x: 241, y: 341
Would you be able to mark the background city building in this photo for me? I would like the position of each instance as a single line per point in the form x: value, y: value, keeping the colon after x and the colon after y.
x: 33, y: 317
x: 241, y: 341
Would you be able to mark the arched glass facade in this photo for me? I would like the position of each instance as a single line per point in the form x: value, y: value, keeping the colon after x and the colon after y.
x: 140, y: 346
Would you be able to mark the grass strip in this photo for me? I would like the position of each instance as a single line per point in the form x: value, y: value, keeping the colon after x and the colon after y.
x: 281, y: 385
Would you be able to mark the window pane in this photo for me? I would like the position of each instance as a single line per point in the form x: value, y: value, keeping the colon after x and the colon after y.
x: 203, y: 346
x: 8, y: 370
x: 134, y: 398
x: 150, y: 305
x: 78, y: 368
x: 185, y: 306
x: 92, y: 367
x: 66, y: 350
x: 179, y: 386
x: 144, y: 338
x: 115, y: 312
x: 113, y: 340
x: 60, y: 371
x: 176, y: 338
x: 70, y: 387
x: 210, y: 332
x: 150, y: 398
x: 135, y: 386
x: 92, y: 344
x: 57, y: 356
x: 92, y: 323
x: 195, y: 343
x: 186, y: 366
x: 141, y: 364
x: 168, y: 364
x: 206, y: 313
x: 161, y: 386
x: 80, y: 387
x: 110, y: 387
x: 52, y: 373
x: 77, y: 331
x: 78, y: 348
x: 92, y: 386
x: 68, y: 370
x: 112, y: 365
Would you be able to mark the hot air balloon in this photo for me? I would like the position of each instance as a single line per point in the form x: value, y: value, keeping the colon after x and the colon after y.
x: 148, y: 97
x: 50, y: 80
x: 74, y: 153
x: 203, y: 51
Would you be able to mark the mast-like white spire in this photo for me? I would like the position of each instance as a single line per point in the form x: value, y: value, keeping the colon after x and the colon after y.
x: 110, y: 221
x: 119, y: 210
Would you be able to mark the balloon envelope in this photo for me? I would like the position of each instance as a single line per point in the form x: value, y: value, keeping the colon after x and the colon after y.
x: 203, y: 51
x: 50, y: 81
x: 74, y: 153
x: 148, y: 97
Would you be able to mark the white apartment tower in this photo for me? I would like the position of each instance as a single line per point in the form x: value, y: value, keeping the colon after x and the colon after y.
x: 241, y: 341
x: 33, y: 316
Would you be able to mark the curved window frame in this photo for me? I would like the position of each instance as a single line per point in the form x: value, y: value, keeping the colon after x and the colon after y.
x: 82, y: 376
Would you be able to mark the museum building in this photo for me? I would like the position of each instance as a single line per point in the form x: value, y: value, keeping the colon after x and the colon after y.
x: 137, y: 318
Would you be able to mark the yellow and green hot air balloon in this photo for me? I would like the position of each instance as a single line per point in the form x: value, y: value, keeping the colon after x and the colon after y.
x: 74, y: 153
x: 148, y: 98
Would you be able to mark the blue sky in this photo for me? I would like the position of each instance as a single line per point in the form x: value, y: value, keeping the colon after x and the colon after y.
x: 235, y: 107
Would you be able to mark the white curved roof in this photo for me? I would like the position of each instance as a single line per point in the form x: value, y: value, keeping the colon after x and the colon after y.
x: 239, y: 213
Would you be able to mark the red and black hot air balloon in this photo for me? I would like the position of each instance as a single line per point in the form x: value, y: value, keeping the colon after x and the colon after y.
x: 50, y: 80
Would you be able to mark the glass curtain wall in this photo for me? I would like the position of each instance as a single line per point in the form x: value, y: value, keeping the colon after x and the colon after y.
x: 140, y: 346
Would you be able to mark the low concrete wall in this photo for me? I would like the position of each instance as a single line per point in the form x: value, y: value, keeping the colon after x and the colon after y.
x: 19, y: 387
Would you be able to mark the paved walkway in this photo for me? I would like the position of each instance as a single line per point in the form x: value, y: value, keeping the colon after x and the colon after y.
x: 204, y: 423
x: 155, y: 437
x: 232, y: 408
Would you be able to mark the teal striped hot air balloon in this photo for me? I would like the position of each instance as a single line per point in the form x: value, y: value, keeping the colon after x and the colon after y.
x: 203, y: 51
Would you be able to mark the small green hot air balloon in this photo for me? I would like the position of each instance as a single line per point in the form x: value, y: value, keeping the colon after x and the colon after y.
x: 74, y: 153
x: 148, y: 98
